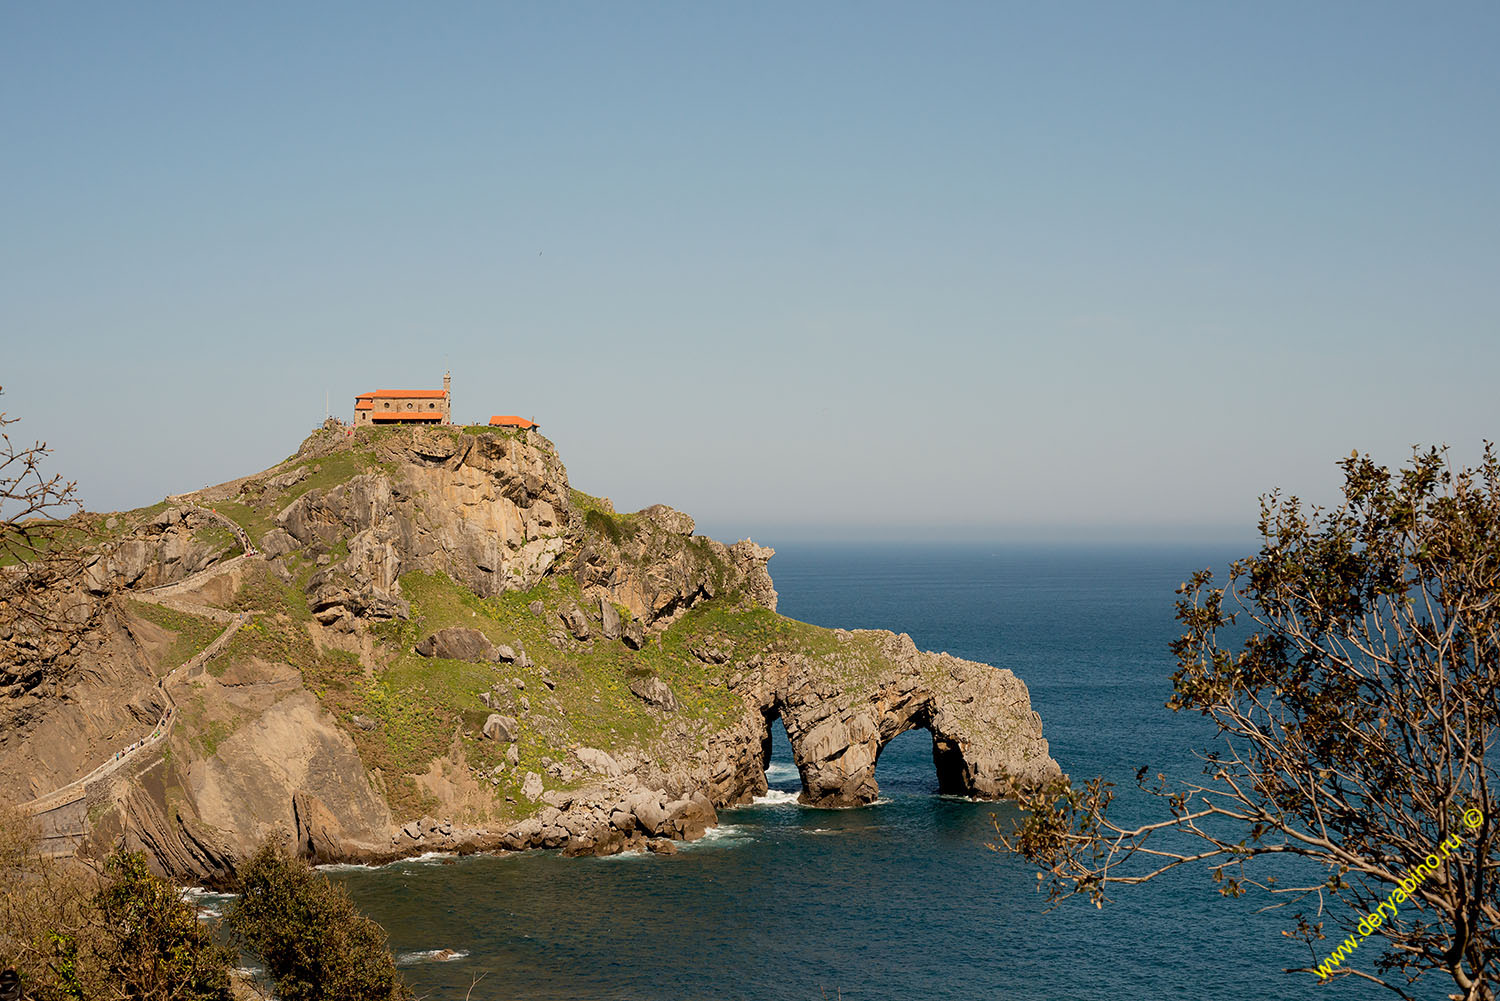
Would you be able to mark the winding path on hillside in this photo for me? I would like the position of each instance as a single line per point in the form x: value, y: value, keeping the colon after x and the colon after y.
x: 62, y: 814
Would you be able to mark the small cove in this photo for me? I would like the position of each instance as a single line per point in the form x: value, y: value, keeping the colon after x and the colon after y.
x: 901, y: 898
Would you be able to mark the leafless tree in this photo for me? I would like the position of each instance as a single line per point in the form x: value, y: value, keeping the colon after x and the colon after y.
x: 42, y: 559
x: 30, y: 500
x: 1352, y: 668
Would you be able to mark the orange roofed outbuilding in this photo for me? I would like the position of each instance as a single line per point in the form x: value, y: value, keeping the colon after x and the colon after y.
x: 513, y: 422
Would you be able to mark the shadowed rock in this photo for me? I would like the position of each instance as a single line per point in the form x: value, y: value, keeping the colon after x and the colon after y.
x: 609, y: 619
x: 502, y: 728
x: 655, y: 693
x: 576, y: 621
x: 458, y: 643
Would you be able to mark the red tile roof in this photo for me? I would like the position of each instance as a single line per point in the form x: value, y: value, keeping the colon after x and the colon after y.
x: 404, y: 394
x: 364, y: 404
x: 512, y: 422
x: 405, y: 415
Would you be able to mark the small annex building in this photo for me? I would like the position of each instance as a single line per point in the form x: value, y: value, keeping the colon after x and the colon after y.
x: 513, y: 422
x: 406, y: 406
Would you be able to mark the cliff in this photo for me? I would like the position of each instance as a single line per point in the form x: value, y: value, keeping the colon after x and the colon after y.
x: 404, y: 640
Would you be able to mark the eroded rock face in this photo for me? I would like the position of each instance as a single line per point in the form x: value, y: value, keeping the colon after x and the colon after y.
x: 57, y: 723
x: 490, y: 512
x: 987, y: 741
x: 657, y: 569
x: 177, y: 543
x: 290, y: 749
x: 495, y: 514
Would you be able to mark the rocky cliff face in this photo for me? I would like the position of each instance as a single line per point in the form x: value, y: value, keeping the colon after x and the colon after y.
x: 495, y: 513
x: 440, y: 644
x: 38, y: 653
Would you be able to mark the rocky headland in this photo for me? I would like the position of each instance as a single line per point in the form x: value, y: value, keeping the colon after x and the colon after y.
x: 408, y: 640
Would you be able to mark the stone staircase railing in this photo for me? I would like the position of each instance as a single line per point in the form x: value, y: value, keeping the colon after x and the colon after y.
x: 70, y: 828
x: 63, y: 812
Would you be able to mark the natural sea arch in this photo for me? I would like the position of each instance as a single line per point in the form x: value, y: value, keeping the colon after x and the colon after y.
x: 836, y: 757
x: 841, y: 709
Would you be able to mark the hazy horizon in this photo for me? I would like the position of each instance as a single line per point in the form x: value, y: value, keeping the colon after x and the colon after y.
x: 1078, y: 271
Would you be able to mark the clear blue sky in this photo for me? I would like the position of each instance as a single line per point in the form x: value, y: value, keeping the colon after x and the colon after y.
x: 892, y: 270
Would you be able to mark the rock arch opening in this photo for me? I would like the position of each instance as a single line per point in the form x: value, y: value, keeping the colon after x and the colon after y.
x: 919, y: 759
x: 902, y: 765
x: 778, y: 760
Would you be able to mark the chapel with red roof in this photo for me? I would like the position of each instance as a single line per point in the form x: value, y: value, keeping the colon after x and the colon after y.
x: 385, y: 407
x: 406, y: 406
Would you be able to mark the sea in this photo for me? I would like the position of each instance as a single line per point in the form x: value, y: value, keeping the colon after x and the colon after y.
x: 904, y: 898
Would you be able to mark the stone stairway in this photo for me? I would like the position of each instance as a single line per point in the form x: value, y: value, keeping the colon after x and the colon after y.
x: 62, y: 815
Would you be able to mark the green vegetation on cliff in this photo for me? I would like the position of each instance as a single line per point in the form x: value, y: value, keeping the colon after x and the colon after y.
x: 192, y: 633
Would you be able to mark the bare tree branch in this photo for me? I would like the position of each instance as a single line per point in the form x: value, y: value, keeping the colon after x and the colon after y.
x: 42, y: 559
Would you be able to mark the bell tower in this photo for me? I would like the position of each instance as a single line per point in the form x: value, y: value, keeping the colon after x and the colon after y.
x: 447, y: 397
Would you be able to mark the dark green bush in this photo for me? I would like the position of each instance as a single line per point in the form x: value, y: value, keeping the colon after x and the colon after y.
x: 156, y: 946
x: 315, y: 944
x: 74, y: 934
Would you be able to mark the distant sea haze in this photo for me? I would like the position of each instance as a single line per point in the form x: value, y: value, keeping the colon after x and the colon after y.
x: 901, y: 899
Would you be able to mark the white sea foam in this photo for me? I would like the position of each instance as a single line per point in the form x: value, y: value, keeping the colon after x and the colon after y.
x: 638, y: 853
x: 346, y: 867
x: 431, y: 956
x: 776, y: 797
x: 208, y: 904
x: 723, y: 836
x: 781, y: 772
x: 426, y: 858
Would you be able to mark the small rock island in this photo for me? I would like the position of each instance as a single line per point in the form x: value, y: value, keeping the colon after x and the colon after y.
x: 413, y: 636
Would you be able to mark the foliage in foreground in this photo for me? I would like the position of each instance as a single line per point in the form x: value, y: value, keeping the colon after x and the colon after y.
x: 315, y: 944
x: 1354, y: 723
x: 76, y: 934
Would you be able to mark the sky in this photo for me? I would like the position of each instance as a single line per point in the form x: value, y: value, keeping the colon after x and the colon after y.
x: 999, y: 271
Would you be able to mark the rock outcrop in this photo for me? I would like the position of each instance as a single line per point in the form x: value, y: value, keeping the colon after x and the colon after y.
x: 651, y: 564
x: 458, y: 643
x: 986, y: 740
x: 491, y: 512
x: 175, y: 544
x: 39, y: 653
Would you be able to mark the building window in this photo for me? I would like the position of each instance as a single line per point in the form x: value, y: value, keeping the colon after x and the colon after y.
x: 408, y: 406
x: 432, y: 406
x: 386, y: 404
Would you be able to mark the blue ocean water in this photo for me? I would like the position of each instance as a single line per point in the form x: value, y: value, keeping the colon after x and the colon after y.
x: 901, y: 899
